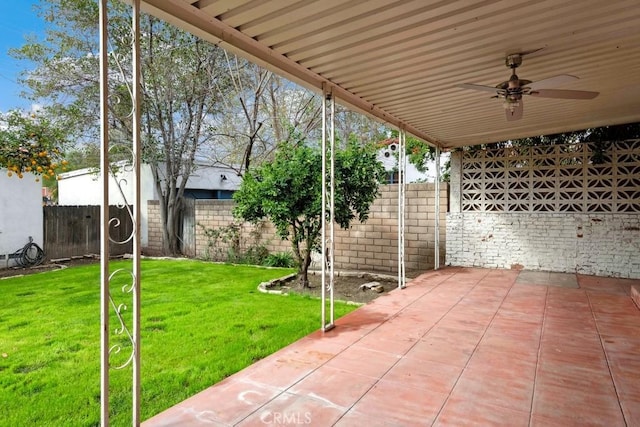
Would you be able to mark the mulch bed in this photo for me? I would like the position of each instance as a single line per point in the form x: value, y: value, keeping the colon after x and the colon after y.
x: 346, y: 287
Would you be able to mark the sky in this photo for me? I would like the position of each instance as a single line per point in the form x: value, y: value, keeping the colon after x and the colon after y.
x: 17, y: 20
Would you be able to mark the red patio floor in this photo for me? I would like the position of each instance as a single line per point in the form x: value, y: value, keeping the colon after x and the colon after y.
x: 457, y: 347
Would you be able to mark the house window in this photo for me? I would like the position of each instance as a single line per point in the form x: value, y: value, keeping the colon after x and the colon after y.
x: 393, y: 177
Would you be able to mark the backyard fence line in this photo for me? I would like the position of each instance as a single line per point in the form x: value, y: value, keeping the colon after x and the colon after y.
x: 72, y: 231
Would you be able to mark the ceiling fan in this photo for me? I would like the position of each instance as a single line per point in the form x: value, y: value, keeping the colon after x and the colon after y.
x: 512, y: 90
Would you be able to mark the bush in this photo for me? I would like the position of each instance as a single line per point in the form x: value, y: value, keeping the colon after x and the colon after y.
x: 227, y: 244
x: 280, y: 259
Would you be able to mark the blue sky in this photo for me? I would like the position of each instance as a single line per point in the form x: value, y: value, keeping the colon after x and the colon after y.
x: 17, y: 19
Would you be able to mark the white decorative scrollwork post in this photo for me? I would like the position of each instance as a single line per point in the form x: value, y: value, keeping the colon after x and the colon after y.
x: 401, y: 206
x: 123, y: 350
x: 328, y: 202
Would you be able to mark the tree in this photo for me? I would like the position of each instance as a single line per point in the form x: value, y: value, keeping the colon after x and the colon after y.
x: 239, y: 126
x: 260, y: 110
x: 31, y: 144
x: 288, y: 191
x: 594, y: 135
x: 183, y: 78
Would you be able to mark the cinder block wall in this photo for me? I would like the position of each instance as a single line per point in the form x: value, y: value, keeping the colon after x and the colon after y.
x: 600, y: 244
x: 154, y: 243
x: 372, y: 246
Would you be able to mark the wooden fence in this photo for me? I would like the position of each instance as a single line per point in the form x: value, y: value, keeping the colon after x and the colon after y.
x: 75, y: 231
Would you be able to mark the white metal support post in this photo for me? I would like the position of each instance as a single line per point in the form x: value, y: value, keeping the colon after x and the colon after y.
x: 104, y: 219
x: 401, y: 207
x: 328, y: 202
x: 436, y: 262
x: 126, y: 338
x: 136, y: 95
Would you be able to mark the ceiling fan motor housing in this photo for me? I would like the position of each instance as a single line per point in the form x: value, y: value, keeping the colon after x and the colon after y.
x: 513, y: 60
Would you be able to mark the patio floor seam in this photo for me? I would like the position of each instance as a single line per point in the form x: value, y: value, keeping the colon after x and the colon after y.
x: 475, y: 349
x: 539, y: 355
x: 606, y: 357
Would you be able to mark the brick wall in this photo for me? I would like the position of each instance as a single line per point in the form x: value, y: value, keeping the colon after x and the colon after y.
x: 599, y: 244
x: 154, y: 243
x: 371, y: 246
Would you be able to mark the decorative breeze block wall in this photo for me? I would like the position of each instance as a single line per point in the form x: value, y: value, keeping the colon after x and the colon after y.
x: 556, y: 178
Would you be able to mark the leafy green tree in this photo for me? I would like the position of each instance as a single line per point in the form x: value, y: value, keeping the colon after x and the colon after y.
x: 288, y: 191
x: 594, y: 135
x: 31, y: 144
x: 183, y: 79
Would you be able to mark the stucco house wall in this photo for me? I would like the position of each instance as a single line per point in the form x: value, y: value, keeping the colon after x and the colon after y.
x: 83, y: 188
x: 20, y: 214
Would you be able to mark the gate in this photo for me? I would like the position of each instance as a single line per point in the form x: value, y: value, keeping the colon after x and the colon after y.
x: 75, y: 231
x: 188, y: 220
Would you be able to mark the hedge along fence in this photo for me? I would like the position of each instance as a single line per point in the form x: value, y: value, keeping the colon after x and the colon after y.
x: 372, y: 246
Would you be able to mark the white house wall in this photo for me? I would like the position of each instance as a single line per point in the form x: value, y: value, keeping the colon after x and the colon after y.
x: 413, y: 175
x: 20, y: 213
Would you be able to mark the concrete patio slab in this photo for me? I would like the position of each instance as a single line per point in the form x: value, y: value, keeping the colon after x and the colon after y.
x: 458, y: 346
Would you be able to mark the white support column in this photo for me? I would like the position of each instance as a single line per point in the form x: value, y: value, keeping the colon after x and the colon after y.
x: 332, y: 211
x: 136, y: 95
x: 436, y: 262
x: 104, y: 219
x: 123, y: 335
x: 401, y: 207
x: 328, y: 201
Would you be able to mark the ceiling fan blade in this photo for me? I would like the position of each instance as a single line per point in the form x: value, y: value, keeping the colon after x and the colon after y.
x: 564, y: 94
x: 478, y: 87
x: 529, y: 52
x: 515, y: 113
x: 552, y: 81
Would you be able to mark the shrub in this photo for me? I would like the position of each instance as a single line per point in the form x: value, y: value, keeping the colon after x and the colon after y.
x: 280, y: 259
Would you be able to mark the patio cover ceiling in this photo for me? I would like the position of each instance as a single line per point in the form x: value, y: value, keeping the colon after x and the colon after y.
x: 400, y: 61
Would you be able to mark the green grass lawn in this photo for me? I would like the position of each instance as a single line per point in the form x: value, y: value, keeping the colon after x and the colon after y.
x: 201, y: 322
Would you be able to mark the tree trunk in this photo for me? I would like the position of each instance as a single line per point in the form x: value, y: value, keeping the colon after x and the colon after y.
x: 171, y: 225
x: 304, y: 269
